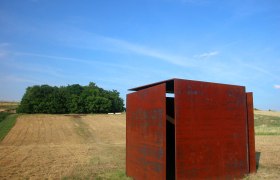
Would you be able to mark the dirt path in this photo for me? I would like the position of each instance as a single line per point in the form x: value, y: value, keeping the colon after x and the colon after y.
x: 54, y: 146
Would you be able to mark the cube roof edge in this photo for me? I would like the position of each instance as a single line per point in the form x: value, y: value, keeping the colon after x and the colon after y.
x: 170, y: 85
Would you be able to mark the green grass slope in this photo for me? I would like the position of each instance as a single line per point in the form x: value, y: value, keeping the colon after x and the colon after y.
x: 7, y: 121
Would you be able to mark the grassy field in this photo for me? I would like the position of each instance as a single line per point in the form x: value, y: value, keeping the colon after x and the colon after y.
x: 267, y: 141
x: 267, y: 123
x: 8, y: 106
x: 93, y: 147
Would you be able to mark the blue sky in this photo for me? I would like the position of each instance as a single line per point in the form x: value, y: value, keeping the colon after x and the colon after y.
x: 127, y: 43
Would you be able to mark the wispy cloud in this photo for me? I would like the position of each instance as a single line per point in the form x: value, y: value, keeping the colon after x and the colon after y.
x: 17, y: 79
x: 3, y: 49
x: 4, y: 44
x: 150, y: 52
x: 53, y: 57
x: 75, y: 60
x: 59, y: 73
x: 10, y: 61
x: 93, y: 41
x: 2, y: 53
x: 277, y: 86
x: 51, y: 71
x: 208, y: 54
x: 259, y: 69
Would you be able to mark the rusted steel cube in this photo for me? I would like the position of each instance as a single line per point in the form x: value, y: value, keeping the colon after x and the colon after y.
x: 203, y: 131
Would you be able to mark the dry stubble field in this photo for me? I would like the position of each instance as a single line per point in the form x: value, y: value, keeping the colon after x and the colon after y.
x: 91, y: 146
x: 69, y: 147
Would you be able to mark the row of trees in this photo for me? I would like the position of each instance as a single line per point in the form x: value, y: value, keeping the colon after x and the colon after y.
x: 70, y: 99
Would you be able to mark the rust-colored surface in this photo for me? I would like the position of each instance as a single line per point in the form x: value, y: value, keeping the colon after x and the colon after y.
x: 211, y: 130
x: 251, y: 133
x: 145, y: 133
x: 211, y: 135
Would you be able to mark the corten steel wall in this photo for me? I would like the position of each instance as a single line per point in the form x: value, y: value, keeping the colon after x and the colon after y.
x: 214, y: 131
x: 211, y: 130
x: 145, y: 133
x: 251, y: 133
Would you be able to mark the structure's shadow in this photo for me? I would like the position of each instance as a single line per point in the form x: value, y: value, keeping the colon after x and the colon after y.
x: 258, y: 156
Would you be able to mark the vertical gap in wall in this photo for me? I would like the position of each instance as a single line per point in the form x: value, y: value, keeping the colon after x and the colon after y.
x: 170, y: 138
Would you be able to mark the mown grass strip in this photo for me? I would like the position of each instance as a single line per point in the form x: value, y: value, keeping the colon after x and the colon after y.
x: 7, y: 124
x: 82, y: 128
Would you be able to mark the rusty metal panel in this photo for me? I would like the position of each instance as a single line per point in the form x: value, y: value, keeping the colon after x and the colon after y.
x: 210, y: 130
x: 145, y: 133
x: 251, y: 133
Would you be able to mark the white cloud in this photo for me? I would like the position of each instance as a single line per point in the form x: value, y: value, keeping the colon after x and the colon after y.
x: 207, y: 55
x: 277, y: 86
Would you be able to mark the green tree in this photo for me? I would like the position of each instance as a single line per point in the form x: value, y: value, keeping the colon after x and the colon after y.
x: 70, y: 99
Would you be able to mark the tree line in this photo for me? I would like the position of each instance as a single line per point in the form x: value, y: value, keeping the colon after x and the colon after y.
x: 70, y: 99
